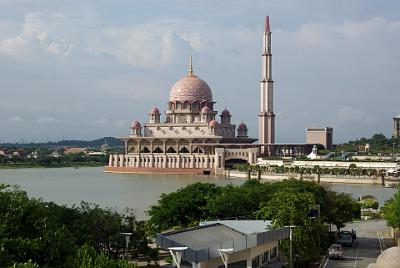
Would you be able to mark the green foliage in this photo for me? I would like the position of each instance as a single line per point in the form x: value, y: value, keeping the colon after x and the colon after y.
x: 185, y: 207
x: 28, y: 264
x: 50, y: 235
x: 88, y: 257
x: 391, y: 210
x: 238, y: 201
x: 291, y: 207
x: 339, y: 208
x: 369, y: 203
x: 379, y: 144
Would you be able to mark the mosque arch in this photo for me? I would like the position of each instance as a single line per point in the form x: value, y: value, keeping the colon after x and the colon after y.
x: 184, y: 146
x: 158, y: 146
x: 195, y: 106
x: 171, y: 146
x: 133, y: 146
x: 186, y: 105
x: 145, y: 146
x: 203, y: 103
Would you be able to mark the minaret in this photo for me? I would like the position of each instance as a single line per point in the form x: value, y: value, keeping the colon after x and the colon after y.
x: 267, y: 116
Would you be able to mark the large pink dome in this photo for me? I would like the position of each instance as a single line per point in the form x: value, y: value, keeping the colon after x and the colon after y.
x: 190, y: 88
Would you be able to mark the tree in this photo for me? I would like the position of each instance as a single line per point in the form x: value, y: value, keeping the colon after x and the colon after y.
x: 50, y: 235
x: 391, y: 210
x: 292, y: 207
x: 339, y: 208
x: 183, y: 208
x: 239, y: 201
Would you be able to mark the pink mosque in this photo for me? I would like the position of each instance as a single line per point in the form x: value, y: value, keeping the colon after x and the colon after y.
x: 193, y: 138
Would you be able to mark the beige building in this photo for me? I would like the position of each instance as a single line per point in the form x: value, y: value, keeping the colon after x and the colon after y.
x: 320, y: 135
x: 396, y: 126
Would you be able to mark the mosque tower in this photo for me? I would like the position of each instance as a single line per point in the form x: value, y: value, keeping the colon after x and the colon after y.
x: 266, y: 116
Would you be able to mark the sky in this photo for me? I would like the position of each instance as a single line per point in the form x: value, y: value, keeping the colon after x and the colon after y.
x: 86, y: 69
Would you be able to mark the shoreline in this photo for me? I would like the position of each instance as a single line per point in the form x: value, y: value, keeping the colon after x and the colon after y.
x: 314, y: 177
x: 78, y: 165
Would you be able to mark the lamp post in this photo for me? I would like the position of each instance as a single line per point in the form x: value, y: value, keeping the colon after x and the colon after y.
x: 291, y: 245
x: 224, y: 253
x: 176, y: 253
x: 127, y: 239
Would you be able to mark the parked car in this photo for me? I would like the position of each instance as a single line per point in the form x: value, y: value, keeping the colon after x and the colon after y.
x: 336, y: 252
x: 345, y: 239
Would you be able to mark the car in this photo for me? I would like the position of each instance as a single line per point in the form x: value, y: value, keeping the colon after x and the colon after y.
x: 345, y: 239
x: 336, y: 251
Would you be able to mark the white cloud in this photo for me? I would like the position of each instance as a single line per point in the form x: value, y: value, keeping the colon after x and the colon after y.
x: 17, y: 119
x: 147, y: 46
x: 37, y: 32
x: 46, y: 120
x: 321, y: 35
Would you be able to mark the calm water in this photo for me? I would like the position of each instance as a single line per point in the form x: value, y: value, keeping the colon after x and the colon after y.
x: 69, y: 186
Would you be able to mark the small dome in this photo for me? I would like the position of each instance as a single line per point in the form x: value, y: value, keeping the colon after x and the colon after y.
x: 136, y: 124
x: 225, y: 112
x: 242, y: 126
x: 213, y: 123
x: 206, y: 110
x: 154, y: 110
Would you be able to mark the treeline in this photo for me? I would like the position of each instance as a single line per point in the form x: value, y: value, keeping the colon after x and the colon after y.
x: 290, y: 202
x: 97, y: 143
x: 378, y: 142
x: 34, y: 233
x: 51, y: 161
x: 352, y: 170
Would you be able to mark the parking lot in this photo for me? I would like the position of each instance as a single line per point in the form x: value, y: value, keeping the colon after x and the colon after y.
x: 366, y: 248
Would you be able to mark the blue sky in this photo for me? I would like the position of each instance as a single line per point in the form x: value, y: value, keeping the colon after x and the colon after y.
x: 86, y: 69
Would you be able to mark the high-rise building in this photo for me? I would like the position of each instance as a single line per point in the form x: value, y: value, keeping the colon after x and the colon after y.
x: 396, y: 126
x: 320, y: 135
x: 266, y: 116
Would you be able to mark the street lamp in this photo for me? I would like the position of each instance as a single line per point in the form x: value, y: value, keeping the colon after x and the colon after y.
x: 127, y: 238
x: 291, y: 245
x: 176, y: 253
x: 224, y: 253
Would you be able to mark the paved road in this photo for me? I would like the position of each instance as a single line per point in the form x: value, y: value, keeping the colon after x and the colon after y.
x: 365, y: 249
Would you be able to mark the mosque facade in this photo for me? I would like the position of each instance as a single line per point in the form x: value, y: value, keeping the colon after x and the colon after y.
x: 191, y: 137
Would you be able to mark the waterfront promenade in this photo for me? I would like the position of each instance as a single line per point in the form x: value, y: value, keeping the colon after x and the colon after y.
x: 348, y: 179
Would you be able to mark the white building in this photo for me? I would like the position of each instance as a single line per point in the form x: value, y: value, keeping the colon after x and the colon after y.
x: 250, y: 243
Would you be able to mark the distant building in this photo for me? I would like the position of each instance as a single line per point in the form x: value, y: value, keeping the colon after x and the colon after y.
x: 55, y: 154
x: 75, y: 150
x: 320, y: 135
x: 396, y: 126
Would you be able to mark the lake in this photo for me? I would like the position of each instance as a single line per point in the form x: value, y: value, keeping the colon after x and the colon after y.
x: 137, y: 191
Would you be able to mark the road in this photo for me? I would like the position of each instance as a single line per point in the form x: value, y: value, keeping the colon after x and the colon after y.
x: 365, y: 249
